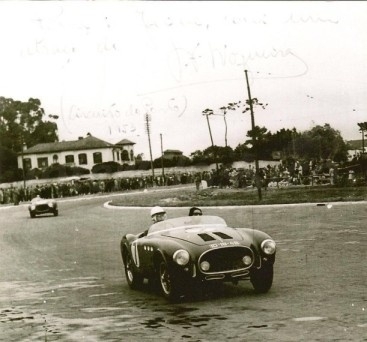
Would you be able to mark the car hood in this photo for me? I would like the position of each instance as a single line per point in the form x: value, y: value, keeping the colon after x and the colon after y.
x: 206, y: 235
x: 40, y: 202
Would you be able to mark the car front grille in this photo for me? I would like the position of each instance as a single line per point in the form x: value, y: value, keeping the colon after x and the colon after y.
x: 226, y: 259
x: 42, y: 207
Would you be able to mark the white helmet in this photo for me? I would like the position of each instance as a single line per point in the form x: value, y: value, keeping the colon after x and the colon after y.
x: 157, y: 210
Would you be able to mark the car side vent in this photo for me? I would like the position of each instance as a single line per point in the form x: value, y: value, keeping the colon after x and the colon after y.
x: 223, y: 236
x: 206, y: 237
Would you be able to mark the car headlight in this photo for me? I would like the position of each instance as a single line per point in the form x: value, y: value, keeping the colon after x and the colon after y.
x: 205, y: 266
x: 247, y: 260
x: 181, y: 257
x: 268, y: 247
x: 50, y: 204
x: 33, y: 207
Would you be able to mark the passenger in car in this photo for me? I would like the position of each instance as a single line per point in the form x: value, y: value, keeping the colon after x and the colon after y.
x: 195, y: 211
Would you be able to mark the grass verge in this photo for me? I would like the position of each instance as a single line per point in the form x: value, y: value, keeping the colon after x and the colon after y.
x: 189, y: 196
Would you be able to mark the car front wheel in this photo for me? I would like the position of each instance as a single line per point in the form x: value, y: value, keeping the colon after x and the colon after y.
x: 262, y: 279
x: 169, y: 286
x: 134, y: 280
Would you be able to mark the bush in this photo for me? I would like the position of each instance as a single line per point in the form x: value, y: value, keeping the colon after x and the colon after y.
x: 142, y: 165
x: 57, y: 170
x: 108, y: 167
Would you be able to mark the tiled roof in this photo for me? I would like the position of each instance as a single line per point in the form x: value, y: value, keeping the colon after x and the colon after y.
x: 125, y: 142
x: 173, y: 151
x: 87, y: 143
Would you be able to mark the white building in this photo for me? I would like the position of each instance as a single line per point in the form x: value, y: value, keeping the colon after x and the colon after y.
x: 84, y: 152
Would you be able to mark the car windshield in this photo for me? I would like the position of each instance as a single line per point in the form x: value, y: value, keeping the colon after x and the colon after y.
x: 186, y: 222
x: 37, y: 199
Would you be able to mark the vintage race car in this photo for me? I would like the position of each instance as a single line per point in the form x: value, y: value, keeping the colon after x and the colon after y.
x: 184, y: 251
x: 40, y: 206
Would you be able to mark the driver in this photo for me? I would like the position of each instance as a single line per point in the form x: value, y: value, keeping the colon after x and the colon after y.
x: 158, y: 214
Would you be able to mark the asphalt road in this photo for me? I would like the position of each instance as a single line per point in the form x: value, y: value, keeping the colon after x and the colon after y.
x: 61, y: 278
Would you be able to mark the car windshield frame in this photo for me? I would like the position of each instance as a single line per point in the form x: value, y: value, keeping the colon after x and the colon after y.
x: 186, y: 222
x: 37, y: 199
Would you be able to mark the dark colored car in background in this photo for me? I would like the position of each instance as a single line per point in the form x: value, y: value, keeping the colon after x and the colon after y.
x: 185, y: 252
x: 40, y: 206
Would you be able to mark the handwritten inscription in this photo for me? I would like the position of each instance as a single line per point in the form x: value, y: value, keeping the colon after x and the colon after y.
x: 173, y: 21
x: 196, y: 58
x: 185, y: 62
x: 118, y: 118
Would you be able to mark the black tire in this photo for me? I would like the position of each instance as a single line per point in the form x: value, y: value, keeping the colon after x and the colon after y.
x: 168, y: 285
x: 56, y: 212
x: 262, y: 279
x: 33, y: 215
x: 133, y: 279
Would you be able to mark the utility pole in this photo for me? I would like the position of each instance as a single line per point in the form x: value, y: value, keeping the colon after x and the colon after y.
x: 147, y: 123
x: 257, y: 174
x: 23, y: 166
x: 162, y: 159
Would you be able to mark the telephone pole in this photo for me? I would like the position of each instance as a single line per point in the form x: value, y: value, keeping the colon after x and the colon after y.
x: 162, y: 159
x: 254, y: 141
x: 147, y: 127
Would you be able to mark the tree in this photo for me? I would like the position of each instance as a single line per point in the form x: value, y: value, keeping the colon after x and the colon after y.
x: 8, y: 165
x: 362, y: 128
x: 198, y: 157
x: 208, y: 112
x: 175, y: 161
x: 243, y: 152
x: 259, y: 137
x: 283, y: 141
x: 22, y: 124
x: 321, y: 143
x: 230, y: 106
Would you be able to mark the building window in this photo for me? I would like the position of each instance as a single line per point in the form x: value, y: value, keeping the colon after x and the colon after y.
x: 27, y: 163
x: 55, y: 158
x: 97, y: 157
x: 131, y: 155
x: 82, y: 159
x: 69, y: 159
x: 42, y: 162
x: 125, y: 155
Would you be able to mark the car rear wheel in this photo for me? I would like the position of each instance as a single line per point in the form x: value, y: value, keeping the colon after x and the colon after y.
x: 169, y: 286
x: 134, y: 280
x: 262, y: 279
x: 56, y: 212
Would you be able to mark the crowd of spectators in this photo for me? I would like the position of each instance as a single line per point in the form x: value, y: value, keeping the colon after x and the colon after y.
x: 61, y: 189
x: 271, y: 176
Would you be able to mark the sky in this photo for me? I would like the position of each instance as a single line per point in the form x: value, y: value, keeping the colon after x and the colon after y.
x: 104, y: 66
